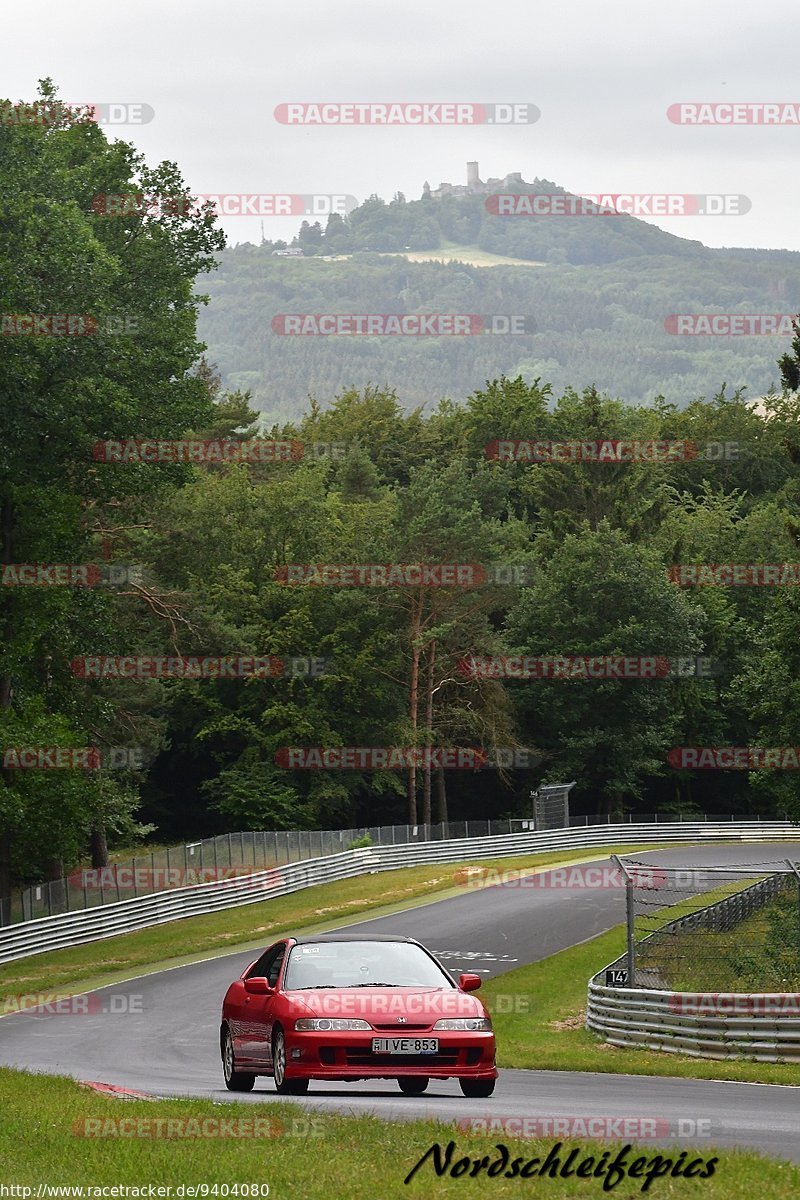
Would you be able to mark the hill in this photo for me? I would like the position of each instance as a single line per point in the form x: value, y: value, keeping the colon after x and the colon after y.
x: 599, y: 300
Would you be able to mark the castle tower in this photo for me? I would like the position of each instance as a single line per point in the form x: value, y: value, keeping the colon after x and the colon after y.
x: 473, y: 178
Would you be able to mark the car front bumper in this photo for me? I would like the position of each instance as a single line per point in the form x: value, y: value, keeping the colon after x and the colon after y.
x: 349, y: 1055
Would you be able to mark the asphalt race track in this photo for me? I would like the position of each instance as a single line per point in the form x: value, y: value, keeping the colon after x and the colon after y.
x: 169, y: 1045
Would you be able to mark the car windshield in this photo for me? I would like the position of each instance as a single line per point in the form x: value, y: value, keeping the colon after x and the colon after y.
x: 360, y: 964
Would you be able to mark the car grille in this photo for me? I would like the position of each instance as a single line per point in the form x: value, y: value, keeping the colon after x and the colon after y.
x: 357, y: 1056
x: 400, y: 1028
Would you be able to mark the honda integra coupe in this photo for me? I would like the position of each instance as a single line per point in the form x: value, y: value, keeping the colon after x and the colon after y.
x: 349, y: 1008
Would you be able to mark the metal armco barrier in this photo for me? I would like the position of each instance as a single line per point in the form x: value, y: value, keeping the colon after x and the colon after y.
x: 88, y: 925
x: 764, y: 1026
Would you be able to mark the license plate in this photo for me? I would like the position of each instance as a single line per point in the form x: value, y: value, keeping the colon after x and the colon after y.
x: 405, y: 1045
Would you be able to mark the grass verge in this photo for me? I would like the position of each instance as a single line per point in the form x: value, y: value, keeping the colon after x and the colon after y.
x: 538, y: 1014
x: 325, y: 905
x: 307, y: 1155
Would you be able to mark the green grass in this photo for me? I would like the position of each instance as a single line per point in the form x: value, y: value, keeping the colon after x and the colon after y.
x: 473, y: 256
x: 545, y: 1029
x: 310, y: 1156
x: 256, y: 924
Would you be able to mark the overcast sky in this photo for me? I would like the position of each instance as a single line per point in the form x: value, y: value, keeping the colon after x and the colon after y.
x: 602, y: 74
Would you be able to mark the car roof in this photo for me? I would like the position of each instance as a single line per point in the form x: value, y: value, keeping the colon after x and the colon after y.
x: 368, y: 937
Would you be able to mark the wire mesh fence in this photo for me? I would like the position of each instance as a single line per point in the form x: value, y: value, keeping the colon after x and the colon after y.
x: 222, y: 857
x: 550, y: 812
x: 712, y: 929
x: 230, y: 854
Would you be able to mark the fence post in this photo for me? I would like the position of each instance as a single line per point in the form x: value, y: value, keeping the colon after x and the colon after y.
x: 629, y: 915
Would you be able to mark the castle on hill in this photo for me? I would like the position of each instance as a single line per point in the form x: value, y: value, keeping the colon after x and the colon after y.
x: 474, y: 186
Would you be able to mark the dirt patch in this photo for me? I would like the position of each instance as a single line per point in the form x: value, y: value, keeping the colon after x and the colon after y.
x: 576, y: 1022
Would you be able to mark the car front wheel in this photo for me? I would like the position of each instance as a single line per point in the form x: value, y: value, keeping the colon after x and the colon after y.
x: 235, y: 1081
x: 477, y: 1089
x: 284, y: 1086
x: 413, y: 1085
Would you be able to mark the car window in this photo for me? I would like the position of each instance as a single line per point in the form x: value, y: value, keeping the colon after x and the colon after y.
x: 262, y: 968
x: 274, y: 968
x: 353, y: 964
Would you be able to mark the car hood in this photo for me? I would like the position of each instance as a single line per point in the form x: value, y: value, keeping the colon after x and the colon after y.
x: 386, y: 1005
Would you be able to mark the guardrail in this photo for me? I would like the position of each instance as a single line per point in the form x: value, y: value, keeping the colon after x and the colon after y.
x: 73, y: 929
x: 242, y: 853
x: 763, y: 1026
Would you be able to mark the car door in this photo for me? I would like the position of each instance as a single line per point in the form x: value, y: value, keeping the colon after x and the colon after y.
x: 260, y: 1009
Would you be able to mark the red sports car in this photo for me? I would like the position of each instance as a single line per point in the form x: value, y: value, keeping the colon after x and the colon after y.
x: 345, y: 1008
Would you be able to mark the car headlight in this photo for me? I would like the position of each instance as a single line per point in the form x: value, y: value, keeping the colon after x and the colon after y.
x: 329, y: 1024
x: 473, y: 1024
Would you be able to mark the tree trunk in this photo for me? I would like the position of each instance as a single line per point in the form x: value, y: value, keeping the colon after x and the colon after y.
x: 413, y: 703
x: 7, y: 517
x: 441, y: 796
x: 54, y: 869
x: 426, y: 779
x: 98, y: 846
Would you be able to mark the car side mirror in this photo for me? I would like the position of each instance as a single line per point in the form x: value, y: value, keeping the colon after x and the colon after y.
x: 469, y: 982
x: 258, y: 986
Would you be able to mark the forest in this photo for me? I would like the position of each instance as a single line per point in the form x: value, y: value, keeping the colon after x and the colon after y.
x: 598, y: 299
